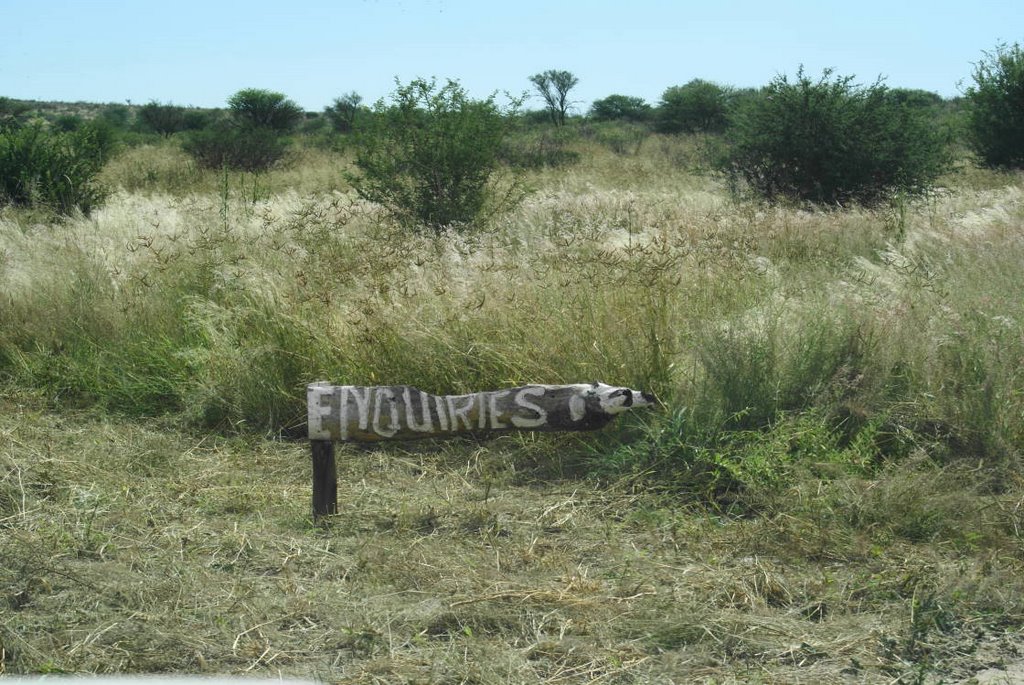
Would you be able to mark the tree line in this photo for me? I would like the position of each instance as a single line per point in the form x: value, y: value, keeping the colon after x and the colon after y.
x: 433, y: 156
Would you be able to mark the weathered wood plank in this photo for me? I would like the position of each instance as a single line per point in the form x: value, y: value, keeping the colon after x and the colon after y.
x: 400, y: 412
x: 325, y: 479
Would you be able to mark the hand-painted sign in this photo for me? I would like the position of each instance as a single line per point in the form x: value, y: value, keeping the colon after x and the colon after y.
x: 399, y: 412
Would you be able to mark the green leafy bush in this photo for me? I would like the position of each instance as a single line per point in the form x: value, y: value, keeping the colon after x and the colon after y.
x: 13, y: 113
x: 234, y: 147
x: 163, y: 119
x: 53, y: 170
x: 259, y: 108
x: 833, y: 142
x: 430, y: 156
x: 620, y: 107
x: 996, y: 108
x: 697, y: 107
x: 252, y: 138
x: 341, y: 113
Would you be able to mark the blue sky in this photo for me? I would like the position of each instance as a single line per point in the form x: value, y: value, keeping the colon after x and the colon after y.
x: 199, y: 53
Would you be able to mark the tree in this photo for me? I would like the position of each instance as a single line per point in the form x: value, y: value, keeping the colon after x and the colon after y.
x: 996, y: 107
x: 429, y: 157
x: 259, y: 108
x: 242, y: 148
x: 554, y: 86
x: 620, y: 108
x: 342, y: 112
x: 916, y: 97
x: 116, y: 115
x: 697, y: 107
x: 163, y: 119
x: 832, y: 142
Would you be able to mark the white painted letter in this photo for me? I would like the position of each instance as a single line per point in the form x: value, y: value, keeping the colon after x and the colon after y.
x: 461, y: 412
x: 427, y: 425
x: 362, y: 405
x: 522, y: 401
x: 442, y: 415
x: 492, y: 403
x: 318, y: 408
x: 385, y: 395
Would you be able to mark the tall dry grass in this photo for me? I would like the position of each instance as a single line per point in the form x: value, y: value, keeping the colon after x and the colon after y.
x: 197, y: 295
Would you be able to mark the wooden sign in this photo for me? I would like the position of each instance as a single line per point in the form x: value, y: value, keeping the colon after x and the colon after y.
x: 399, y: 412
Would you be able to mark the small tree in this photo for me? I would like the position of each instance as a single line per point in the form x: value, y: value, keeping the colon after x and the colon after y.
x: 165, y: 119
x: 554, y: 86
x: 620, y: 108
x: 429, y: 157
x: 259, y: 108
x: 697, y: 107
x: 342, y: 112
x: 996, y: 108
x: 240, y: 148
x: 832, y: 142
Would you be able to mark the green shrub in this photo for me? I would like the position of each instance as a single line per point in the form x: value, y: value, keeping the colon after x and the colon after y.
x: 68, y: 122
x: 258, y: 108
x: 53, y: 170
x: 341, y: 113
x: 430, y: 156
x: 163, y: 119
x: 620, y: 107
x: 832, y: 142
x: 251, y: 139
x: 118, y: 116
x: 241, y: 149
x: 697, y: 107
x: 13, y: 113
x: 996, y: 108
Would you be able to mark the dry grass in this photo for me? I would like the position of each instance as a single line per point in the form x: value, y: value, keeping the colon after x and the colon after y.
x: 134, y: 547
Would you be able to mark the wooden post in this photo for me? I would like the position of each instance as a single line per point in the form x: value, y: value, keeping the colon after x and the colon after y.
x: 325, y: 479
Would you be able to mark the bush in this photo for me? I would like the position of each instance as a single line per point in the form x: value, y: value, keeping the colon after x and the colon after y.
x: 832, y: 142
x: 68, y: 122
x: 13, y: 114
x: 163, y: 119
x: 342, y: 112
x: 53, y: 170
x: 620, y: 107
x: 118, y: 116
x: 430, y: 156
x: 996, y: 108
x: 258, y: 108
x: 698, y: 107
x: 238, y: 148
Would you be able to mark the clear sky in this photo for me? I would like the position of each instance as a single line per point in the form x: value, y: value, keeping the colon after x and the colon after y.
x: 192, y: 52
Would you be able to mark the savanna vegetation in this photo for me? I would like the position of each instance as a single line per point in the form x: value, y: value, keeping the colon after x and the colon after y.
x: 830, y: 489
